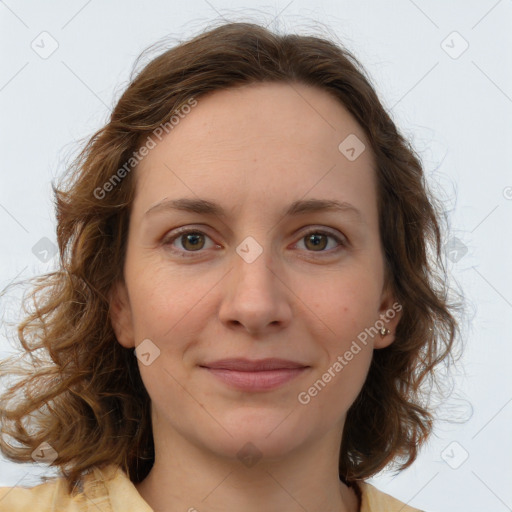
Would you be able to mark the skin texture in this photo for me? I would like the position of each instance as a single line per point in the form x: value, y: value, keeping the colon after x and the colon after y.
x: 253, y: 150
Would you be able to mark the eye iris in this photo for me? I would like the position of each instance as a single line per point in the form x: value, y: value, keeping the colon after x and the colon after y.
x: 195, y: 241
x: 315, y: 240
x: 193, y: 238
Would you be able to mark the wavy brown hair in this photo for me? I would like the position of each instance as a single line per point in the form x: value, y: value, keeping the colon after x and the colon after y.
x: 81, y: 391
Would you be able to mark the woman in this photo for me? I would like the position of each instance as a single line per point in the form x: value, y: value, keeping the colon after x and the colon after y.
x: 253, y: 228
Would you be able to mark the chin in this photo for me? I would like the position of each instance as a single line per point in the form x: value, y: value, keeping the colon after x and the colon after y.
x: 264, y: 435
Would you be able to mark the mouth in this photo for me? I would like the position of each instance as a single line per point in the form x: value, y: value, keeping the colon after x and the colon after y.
x: 255, y: 375
x: 254, y: 365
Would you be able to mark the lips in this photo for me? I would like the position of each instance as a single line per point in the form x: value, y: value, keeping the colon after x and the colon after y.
x: 248, y: 365
x: 255, y: 375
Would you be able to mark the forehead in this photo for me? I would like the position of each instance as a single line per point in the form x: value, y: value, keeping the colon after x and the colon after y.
x: 267, y: 142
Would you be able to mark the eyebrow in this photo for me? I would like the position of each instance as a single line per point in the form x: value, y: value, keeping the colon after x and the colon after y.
x: 300, y: 207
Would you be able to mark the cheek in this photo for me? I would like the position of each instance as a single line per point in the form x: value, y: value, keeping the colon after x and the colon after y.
x: 344, y: 306
x: 163, y: 302
x: 172, y: 315
x: 340, y: 322
x: 335, y: 386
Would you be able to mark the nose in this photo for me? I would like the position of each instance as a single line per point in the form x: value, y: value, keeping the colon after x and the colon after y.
x: 256, y: 298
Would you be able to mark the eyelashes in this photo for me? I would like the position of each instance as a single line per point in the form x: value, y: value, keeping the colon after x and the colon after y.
x: 313, y: 235
x: 197, y: 242
x: 189, y: 236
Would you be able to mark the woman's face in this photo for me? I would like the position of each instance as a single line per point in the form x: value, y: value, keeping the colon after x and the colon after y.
x: 266, y: 271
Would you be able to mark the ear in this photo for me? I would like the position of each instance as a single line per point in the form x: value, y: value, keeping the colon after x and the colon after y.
x: 121, y: 315
x: 390, y: 313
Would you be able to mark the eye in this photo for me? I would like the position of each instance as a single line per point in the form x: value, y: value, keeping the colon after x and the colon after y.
x: 317, y: 240
x: 188, y: 240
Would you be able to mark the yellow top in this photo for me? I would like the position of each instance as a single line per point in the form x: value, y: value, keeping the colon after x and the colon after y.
x: 110, y: 490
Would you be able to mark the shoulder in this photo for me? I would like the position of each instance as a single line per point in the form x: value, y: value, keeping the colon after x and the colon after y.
x: 373, y: 500
x: 43, y: 497
x: 107, y: 489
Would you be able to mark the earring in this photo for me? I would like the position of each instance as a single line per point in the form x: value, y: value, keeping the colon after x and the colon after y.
x: 383, y: 331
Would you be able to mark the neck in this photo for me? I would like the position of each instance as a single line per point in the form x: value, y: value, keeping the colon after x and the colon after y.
x: 186, y: 477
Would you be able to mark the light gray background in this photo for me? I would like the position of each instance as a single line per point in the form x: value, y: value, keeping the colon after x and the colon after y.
x: 455, y: 107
